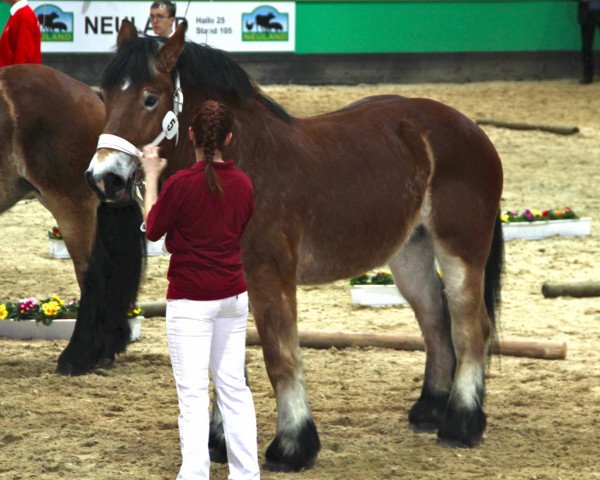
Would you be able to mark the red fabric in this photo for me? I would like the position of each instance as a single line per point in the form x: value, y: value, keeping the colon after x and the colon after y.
x: 21, y: 40
x: 203, y: 231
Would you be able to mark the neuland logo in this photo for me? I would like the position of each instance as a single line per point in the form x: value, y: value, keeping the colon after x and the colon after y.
x: 265, y: 24
x: 56, y: 25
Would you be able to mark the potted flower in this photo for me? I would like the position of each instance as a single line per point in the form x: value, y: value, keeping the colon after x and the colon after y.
x: 58, y: 249
x: 536, y: 224
x: 50, y: 318
x: 56, y: 244
x: 376, y: 289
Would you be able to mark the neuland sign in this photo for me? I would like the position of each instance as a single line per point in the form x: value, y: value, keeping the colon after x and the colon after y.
x: 86, y: 26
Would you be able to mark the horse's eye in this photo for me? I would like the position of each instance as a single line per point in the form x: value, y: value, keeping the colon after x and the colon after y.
x: 150, y: 101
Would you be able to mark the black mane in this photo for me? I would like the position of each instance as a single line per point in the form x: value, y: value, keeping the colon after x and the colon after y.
x: 208, y: 69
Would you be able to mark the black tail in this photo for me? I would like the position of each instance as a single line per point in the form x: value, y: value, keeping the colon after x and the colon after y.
x: 493, y: 274
x: 110, y: 289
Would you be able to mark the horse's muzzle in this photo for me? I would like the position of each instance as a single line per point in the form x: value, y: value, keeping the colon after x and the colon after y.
x: 111, y: 188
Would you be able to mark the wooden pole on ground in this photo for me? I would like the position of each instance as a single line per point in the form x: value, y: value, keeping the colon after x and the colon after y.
x: 153, y: 309
x: 571, y: 289
x: 516, y: 348
x: 529, y: 126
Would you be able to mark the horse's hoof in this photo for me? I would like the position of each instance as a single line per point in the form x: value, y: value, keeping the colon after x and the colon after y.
x: 217, y: 455
x: 278, y: 467
x: 67, y: 366
x: 426, y: 415
x: 453, y: 443
x: 292, y: 451
x: 424, y: 427
x: 70, y: 370
x: 216, y: 439
x: 105, y: 362
x: 462, y: 428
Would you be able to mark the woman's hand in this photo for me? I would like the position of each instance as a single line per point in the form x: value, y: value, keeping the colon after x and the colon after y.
x: 152, y: 163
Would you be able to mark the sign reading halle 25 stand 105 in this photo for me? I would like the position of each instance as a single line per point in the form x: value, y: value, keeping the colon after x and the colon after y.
x: 86, y: 26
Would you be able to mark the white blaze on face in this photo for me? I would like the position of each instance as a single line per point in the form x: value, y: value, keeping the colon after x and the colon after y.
x: 126, y: 84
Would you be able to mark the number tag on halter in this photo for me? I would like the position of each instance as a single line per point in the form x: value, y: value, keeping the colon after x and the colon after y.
x: 170, y: 125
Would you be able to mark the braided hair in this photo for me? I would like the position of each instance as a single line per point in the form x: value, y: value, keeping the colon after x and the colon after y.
x: 211, y: 124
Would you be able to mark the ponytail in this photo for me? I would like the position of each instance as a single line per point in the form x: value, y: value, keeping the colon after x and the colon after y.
x: 211, y: 124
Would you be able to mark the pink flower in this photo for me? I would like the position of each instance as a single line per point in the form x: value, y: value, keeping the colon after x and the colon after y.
x: 27, y: 305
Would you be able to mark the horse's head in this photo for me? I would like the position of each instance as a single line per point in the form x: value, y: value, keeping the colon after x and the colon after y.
x: 142, y: 102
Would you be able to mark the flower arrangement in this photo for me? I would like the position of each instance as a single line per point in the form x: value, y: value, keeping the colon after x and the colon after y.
x: 47, y: 310
x: 54, y: 234
x: 513, y: 216
x: 380, y: 277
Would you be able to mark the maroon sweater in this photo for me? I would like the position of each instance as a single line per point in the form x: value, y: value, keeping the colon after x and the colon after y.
x: 203, y: 231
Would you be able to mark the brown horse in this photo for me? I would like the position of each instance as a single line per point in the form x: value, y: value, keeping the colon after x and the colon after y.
x: 386, y: 180
x: 50, y: 125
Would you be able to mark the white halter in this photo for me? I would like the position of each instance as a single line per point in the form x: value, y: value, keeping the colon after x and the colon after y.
x: 170, y: 128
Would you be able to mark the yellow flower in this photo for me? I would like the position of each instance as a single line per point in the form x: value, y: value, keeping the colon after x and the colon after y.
x: 134, y: 312
x: 504, y: 217
x: 57, y: 299
x: 51, y: 308
x: 3, y: 312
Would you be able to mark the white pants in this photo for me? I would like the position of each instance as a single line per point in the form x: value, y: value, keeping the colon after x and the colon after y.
x: 203, y: 335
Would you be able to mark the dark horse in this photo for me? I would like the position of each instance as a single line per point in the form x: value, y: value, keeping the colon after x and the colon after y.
x: 50, y: 124
x: 392, y: 180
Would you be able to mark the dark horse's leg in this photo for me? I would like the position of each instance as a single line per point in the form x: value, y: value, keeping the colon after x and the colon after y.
x: 415, y: 275
x: 110, y: 288
x: 75, y: 215
x: 272, y: 290
x: 216, y: 435
x: 473, y: 293
x: 456, y: 323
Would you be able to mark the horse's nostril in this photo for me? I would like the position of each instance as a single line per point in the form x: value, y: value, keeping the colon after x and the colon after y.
x: 89, y: 179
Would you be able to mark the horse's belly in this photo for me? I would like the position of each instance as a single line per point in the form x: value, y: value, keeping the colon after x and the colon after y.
x: 326, y: 255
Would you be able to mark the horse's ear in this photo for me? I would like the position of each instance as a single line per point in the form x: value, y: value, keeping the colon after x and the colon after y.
x: 126, y: 31
x: 169, y: 53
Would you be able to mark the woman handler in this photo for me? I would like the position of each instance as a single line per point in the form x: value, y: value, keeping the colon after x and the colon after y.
x: 204, y: 210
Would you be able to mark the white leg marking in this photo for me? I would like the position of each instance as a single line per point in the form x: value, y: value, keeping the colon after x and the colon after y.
x: 468, y: 385
x: 292, y: 411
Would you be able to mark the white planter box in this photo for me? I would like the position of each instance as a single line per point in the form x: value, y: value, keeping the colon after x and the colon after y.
x: 156, y: 248
x: 376, y: 295
x: 57, y: 248
x: 60, y: 329
x: 536, y: 230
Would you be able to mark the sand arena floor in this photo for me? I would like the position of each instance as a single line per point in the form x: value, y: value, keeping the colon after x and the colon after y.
x: 544, y: 416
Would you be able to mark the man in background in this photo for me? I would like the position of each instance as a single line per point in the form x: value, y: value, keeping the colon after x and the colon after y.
x: 162, y: 18
x: 21, y: 40
x: 589, y: 19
